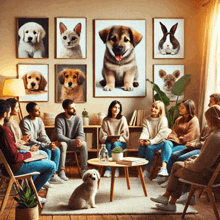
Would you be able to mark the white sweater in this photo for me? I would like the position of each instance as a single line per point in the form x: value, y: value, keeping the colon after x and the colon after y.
x: 155, y: 129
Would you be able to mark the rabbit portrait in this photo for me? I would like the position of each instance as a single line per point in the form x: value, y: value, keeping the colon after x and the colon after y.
x: 168, y: 44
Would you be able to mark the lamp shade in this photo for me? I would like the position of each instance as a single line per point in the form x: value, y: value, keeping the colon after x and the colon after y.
x: 13, y: 87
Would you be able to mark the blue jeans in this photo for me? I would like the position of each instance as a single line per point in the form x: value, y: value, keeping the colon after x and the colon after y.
x: 180, y: 153
x: 46, y: 168
x: 110, y: 146
x: 53, y: 155
x: 148, y: 152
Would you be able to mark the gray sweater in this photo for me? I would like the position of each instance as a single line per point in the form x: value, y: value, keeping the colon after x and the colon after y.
x: 67, y: 130
x: 37, y: 130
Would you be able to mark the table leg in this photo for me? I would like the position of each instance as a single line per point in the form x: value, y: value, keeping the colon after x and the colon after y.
x: 112, y: 184
x: 142, y: 179
x: 127, y: 177
x: 100, y: 169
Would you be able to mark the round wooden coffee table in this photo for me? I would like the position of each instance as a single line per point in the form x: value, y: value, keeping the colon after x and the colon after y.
x: 114, y: 165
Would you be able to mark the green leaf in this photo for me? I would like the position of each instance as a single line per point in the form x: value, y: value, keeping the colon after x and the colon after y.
x: 179, y: 86
x: 160, y: 94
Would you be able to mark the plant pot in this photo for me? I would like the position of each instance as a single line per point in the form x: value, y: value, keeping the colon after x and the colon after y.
x: 117, y: 156
x: 85, y: 121
x: 27, y: 214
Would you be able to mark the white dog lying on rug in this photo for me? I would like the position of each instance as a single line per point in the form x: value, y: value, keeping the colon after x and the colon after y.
x: 83, y: 197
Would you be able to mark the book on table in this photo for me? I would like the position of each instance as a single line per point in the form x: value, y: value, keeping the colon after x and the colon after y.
x: 35, y: 157
x: 131, y: 161
x: 110, y: 137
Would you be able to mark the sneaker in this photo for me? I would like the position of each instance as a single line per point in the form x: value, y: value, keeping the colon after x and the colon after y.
x: 107, y: 173
x: 47, y: 185
x: 42, y: 200
x: 183, y: 199
x: 160, y: 179
x: 55, y: 180
x: 117, y: 173
x: 167, y: 207
x: 160, y: 199
x: 146, y: 173
x: 164, y: 185
x: 163, y: 172
x: 63, y: 176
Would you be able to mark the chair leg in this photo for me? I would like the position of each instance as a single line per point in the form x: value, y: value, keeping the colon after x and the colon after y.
x: 212, y: 199
x: 35, y: 191
x: 5, y: 199
x: 191, y: 193
x: 77, y: 162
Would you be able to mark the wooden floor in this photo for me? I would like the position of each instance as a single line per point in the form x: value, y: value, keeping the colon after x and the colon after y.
x: 202, y: 205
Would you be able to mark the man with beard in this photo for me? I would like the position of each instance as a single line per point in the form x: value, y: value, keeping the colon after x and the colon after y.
x: 69, y: 132
x: 16, y: 159
x: 33, y: 125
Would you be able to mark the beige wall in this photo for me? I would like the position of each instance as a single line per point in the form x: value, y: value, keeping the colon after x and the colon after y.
x: 99, y: 9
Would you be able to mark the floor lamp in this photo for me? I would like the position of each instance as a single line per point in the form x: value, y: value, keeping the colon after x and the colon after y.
x: 14, y: 88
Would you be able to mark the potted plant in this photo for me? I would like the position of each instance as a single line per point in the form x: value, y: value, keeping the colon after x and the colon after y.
x: 178, y: 89
x: 85, y: 117
x: 117, y: 153
x: 27, y: 207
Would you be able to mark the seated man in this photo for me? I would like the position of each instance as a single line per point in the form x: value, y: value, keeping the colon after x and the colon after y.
x: 69, y: 132
x: 33, y: 124
x: 16, y: 159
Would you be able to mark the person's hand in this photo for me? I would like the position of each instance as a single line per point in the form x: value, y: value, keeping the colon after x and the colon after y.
x: 142, y: 142
x: 32, y: 154
x: 190, y: 145
x: 181, y: 138
x: 147, y: 142
x: 26, y: 138
x: 34, y: 148
x: 52, y: 146
x: 78, y: 143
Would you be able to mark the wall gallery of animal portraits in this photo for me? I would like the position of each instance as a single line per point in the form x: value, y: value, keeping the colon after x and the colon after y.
x: 119, y: 57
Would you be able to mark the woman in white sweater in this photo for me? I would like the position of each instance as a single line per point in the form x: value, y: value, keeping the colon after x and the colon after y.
x: 114, y: 124
x: 155, y: 131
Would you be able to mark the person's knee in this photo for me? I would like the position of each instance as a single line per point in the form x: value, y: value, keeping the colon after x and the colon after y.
x: 51, y: 166
x: 84, y: 146
x: 150, y: 148
x: 63, y: 146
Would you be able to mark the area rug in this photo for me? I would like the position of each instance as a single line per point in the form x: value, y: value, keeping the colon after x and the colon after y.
x: 125, y: 201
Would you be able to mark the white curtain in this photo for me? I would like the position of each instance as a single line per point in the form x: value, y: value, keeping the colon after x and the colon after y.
x: 210, y: 57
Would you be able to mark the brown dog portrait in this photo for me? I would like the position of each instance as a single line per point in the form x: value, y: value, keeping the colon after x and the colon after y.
x: 72, y: 84
x: 119, y: 66
x: 169, y: 80
x: 34, y: 82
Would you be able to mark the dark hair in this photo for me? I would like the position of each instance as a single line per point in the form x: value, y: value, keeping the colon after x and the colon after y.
x: 110, y: 109
x: 190, y: 107
x: 216, y: 97
x: 66, y: 103
x: 12, y: 102
x: 4, y: 107
x: 30, y: 106
x: 213, y: 116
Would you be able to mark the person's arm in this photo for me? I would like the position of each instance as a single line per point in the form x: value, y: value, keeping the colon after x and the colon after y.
x: 192, y: 132
x: 80, y: 130
x: 145, y: 132
x: 42, y: 133
x: 124, y: 133
x: 208, y: 156
x: 162, y: 132
x: 103, y: 134
x: 173, y: 136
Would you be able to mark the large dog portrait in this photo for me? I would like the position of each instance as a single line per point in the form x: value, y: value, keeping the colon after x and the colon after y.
x: 35, y: 78
x: 32, y: 37
x: 71, y: 38
x: 168, y: 38
x: 119, y: 58
x: 70, y: 83
x: 165, y: 77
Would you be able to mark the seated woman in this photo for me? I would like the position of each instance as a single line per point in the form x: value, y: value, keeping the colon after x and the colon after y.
x: 114, y: 124
x: 198, y: 170
x: 22, y: 143
x: 185, y: 129
x: 155, y: 131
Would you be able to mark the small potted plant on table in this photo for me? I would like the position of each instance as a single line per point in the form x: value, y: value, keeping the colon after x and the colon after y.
x: 27, y: 208
x: 117, y: 154
x: 85, y: 117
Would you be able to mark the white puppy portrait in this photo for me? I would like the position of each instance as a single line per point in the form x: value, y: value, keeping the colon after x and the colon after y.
x: 31, y: 41
x: 83, y: 197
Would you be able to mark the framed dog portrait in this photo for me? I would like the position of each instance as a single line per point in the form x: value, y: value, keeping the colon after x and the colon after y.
x: 165, y: 76
x: 32, y: 37
x: 71, y: 38
x: 168, y: 37
x: 70, y: 82
x: 36, y: 80
x: 119, y: 60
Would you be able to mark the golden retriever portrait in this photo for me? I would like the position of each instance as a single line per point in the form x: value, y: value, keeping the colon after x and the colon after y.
x: 72, y: 81
x: 34, y: 82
